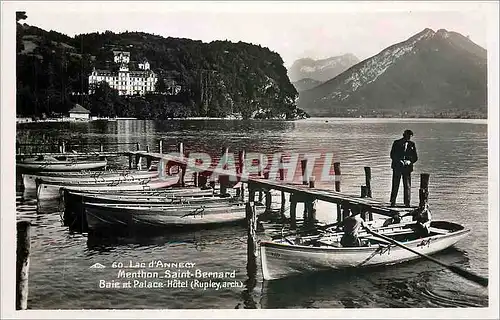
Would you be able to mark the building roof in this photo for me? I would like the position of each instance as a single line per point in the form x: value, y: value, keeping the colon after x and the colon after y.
x: 78, y: 109
x: 125, y: 53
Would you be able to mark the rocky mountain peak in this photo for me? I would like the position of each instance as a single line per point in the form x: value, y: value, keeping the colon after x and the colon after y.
x: 429, y: 72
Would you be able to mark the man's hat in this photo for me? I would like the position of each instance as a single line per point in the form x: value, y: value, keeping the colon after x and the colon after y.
x: 408, y: 132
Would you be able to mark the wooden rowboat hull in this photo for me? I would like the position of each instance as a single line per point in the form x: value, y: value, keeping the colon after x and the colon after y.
x: 105, y: 217
x: 78, y: 198
x: 165, y: 193
x: 47, y: 191
x: 29, y: 180
x: 280, y: 259
x: 61, y: 165
x: 73, y: 201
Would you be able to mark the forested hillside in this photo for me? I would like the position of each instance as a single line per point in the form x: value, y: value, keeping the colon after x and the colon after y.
x: 217, y: 78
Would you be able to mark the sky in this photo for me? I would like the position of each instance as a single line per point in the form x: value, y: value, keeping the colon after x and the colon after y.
x: 293, y: 29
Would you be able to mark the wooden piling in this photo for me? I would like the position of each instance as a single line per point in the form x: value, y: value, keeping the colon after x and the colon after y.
x: 137, y: 146
x: 281, y: 172
x: 183, y: 169
x: 22, y: 264
x: 336, y: 170
x: 364, y: 191
x: 269, y: 199
x: 101, y: 148
x: 312, y: 181
x: 251, y: 218
x: 160, y: 146
x: 260, y: 172
x: 241, y: 161
x: 223, y: 184
x: 195, y: 179
x: 147, y: 148
x: 368, y: 181
x: 364, y: 194
x: 202, y: 180
x: 241, y: 171
x: 303, y: 166
x: 310, y: 205
x: 242, y: 191
x: 138, y: 162
x: 293, y: 212
x: 212, y: 182
x: 423, y: 192
x: 63, y: 147
x: 251, y: 193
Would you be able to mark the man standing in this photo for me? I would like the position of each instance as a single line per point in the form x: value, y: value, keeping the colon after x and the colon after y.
x: 403, y: 155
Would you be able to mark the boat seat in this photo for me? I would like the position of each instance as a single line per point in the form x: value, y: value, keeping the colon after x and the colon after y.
x: 438, y: 231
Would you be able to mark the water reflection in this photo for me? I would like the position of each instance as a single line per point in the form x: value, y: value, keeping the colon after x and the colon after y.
x: 455, y: 154
x: 199, y: 237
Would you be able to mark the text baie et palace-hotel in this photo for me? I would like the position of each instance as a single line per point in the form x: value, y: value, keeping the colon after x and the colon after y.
x: 125, y: 81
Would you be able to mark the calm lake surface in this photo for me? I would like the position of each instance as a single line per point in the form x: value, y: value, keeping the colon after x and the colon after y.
x: 455, y: 153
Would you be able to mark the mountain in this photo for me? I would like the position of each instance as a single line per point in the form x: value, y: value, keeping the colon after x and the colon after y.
x: 218, y: 79
x: 306, y: 84
x: 432, y: 74
x: 321, y: 70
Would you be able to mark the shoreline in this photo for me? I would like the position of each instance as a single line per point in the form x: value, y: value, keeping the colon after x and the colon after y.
x: 312, y: 119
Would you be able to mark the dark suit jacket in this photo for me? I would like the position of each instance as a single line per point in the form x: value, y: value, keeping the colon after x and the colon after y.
x: 398, y: 153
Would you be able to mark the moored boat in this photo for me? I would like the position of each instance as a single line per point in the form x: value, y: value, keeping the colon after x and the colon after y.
x: 48, y: 190
x: 52, y: 164
x: 29, y: 180
x: 105, y: 216
x: 71, y: 197
x: 168, y: 192
x: 73, y: 200
x: 286, y: 257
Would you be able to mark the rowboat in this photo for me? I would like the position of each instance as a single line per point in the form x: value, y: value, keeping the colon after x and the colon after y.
x: 73, y: 200
x: 115, y: 216
x: 52, y: 164
x: 71, y: 197
x: 50, y: 190
x: 167, y: 193
x: 286, y: 257
x: 29, y: 180
x: 90, y: 173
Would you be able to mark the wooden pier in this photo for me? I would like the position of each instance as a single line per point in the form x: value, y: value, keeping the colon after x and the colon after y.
x: 257, y: 184
x: 305, y: 192
x: 300, y: 191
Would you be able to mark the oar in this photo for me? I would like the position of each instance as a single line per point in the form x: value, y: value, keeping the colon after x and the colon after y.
x: 307, y: 230
x: 483, y: 281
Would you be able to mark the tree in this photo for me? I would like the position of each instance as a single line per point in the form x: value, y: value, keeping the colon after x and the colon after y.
x: 160, y: 86
x: 217, y: 78
x: 104, y: 99
x: 21, y: 15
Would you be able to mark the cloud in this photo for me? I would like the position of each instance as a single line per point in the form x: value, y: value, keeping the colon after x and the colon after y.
x: 294, y: 30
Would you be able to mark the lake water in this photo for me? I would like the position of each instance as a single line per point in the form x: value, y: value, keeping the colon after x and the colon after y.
x: 454, y: 153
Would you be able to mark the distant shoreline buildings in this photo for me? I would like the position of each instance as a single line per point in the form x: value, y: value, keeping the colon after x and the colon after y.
x: 129, y: 82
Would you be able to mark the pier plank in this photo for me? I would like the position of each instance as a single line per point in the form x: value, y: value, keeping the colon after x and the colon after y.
x: 327, y: 195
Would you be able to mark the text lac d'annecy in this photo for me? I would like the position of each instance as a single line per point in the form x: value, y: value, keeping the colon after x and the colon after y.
x: 152, y: 264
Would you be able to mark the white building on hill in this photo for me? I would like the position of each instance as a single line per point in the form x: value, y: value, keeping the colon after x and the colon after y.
x: 125, y: 81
